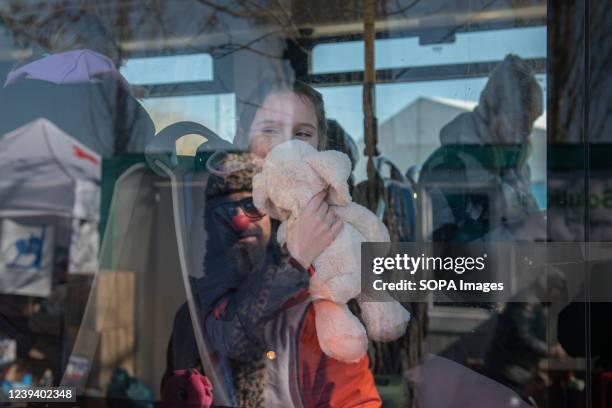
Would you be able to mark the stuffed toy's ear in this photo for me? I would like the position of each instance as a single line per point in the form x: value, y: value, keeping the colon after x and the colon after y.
x: 335, y: 168
x: 262, y: 201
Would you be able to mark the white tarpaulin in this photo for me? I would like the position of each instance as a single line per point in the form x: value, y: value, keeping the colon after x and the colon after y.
x: 47, y: 173
x: 26, y: 259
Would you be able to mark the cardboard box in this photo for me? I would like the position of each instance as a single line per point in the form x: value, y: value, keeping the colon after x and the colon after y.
x: 107, y: 337
x: 112, y: 294
x: 114, y: 300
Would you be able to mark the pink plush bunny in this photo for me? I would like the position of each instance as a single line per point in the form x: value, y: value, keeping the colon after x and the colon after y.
x: 293, y: 172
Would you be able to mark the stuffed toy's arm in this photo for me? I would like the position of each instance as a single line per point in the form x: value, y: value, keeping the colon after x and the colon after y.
x: 364, y: 221
x: 281, y: 233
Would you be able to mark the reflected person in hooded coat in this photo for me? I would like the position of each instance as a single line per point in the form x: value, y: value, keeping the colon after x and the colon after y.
x: 478, y: 180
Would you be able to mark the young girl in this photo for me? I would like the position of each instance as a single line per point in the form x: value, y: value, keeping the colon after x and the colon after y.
x: 279, y: 111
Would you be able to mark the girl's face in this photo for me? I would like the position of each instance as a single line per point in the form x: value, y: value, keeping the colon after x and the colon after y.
x: 283, y: 116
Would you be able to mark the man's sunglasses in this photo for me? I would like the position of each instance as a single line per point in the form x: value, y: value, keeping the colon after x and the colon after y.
x: 230, y: 208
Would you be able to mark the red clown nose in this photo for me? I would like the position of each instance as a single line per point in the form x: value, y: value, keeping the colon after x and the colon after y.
x: 240, y: 222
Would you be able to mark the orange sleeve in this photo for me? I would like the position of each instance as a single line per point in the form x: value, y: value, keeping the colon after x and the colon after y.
x: 325, y: 382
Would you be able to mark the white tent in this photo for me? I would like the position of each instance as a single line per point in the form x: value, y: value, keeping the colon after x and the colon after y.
x: 49, y: 198
x: 45, y: 171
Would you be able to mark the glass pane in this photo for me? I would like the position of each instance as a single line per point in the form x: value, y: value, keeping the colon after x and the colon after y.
x: 470, y: 47
x: 445, y: 99
x: 168, y: 69
x: 217, y: 112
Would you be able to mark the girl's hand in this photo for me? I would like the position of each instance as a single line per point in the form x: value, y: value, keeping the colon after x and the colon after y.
x: 313, y: 231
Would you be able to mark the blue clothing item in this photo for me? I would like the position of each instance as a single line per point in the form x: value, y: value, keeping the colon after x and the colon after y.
x: 104, y: 116
x: 69, y: 67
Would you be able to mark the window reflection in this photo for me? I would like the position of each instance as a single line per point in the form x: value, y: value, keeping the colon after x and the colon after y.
x: 156, y: 119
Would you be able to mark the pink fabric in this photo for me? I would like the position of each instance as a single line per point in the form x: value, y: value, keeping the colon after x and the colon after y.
x: 70, y: 67
x: 221, y: 308
x: 187, y: 388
